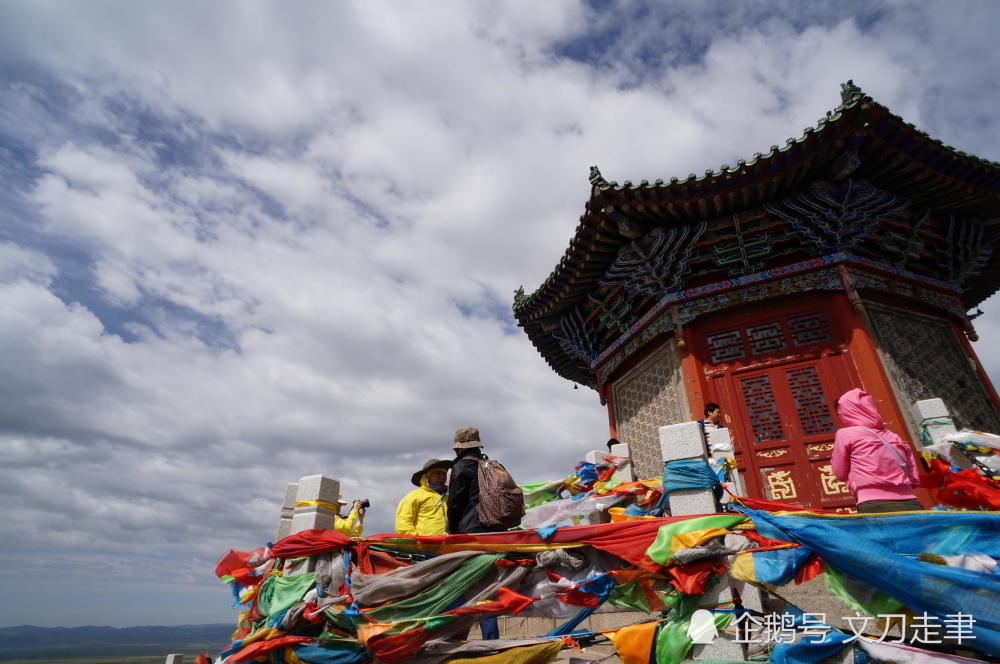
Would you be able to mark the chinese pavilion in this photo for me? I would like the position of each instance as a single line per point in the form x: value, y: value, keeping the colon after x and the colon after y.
x: 846, y: 258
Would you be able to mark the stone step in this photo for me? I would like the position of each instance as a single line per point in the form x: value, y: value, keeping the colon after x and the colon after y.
x: 514, y: 627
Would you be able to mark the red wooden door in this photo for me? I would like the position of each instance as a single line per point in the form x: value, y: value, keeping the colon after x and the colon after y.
x: 789, y: 428
x: 776, y: 377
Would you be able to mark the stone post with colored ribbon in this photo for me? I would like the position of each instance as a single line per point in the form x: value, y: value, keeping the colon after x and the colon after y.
x: 315, y: 503
x: 933, y: 422
x: 686, y: 441
x: 287, y: 511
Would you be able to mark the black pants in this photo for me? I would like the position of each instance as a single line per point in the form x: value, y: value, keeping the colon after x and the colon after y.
x: 882, y: 506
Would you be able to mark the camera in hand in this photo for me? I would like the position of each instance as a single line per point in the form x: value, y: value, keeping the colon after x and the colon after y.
x: 365, y: 504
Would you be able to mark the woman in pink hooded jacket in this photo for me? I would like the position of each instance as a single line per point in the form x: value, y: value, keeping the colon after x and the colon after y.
x: 877, y: 465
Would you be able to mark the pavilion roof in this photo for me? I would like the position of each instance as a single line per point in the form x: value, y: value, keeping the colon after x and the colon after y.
x: 859, y: 137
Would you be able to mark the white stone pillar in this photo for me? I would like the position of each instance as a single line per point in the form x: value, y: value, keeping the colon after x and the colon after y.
x: 720, y: 442
x: 596, y: 457
x: 724, y: 646
x: 752, y: 597
x: 682, y: 441
x: 314, y: 507
x: 686, y: 441
x: 175, y: 659
x: 315, y: 503
x: 623, y: 473
x: 934, y: 409
x: 287, y: 511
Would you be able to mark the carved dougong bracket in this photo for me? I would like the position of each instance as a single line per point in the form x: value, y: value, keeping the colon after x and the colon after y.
x: 657, y: 263
x: 835, y: 216
x: 900, y: 248
x: 617, y: 314
x: 575, y: 337
x: 846, y: 162
x: 966, y: 251
x: 746, y: 254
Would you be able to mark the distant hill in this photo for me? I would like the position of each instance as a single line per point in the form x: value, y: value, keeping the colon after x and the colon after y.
x: 28, y: 642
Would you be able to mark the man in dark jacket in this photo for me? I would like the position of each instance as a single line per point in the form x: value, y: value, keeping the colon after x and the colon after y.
x: 463, y: 487
x: 463, y: 499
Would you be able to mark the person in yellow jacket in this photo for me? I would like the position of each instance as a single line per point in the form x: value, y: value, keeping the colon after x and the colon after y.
x: 423, y: 510
x: 353, y: 523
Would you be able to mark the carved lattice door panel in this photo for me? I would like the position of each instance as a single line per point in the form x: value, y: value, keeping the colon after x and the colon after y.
x: 776, y: 378
x: 788, y: 431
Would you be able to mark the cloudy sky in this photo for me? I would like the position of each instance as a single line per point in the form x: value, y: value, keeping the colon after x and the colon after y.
x: 245, y: 242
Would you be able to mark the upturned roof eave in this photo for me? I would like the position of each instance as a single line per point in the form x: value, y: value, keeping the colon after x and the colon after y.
x: 550, y: 297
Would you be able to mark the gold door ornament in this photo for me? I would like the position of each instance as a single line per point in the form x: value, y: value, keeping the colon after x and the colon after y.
x: 830, y: 484
x: 772, y: 454
x: 781, y: 486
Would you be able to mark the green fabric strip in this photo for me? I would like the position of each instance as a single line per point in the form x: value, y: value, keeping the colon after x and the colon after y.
x: 422, y: 624
x: 659, y: 550
x: 433, y: 600
x: 630, y: 595
x: 278, y: 593
x: 611, y: 483
x: 857, y: 596
x: 672, y: 641
x: 337, y: 618
x: 539, y: 493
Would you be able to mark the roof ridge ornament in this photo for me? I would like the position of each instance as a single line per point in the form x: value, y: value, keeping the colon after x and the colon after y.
x: 849, y: 92
x: 597, y: 180
x: 520, y: 299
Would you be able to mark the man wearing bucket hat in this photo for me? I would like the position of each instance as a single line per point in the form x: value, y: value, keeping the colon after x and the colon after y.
x: 463, y: 494
x: 423, y: 511
x: 463, y: 498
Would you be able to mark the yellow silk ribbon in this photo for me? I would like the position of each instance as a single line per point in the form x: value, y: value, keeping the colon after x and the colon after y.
x: 321, y: 503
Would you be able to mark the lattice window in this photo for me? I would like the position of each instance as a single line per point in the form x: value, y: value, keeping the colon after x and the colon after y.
x: 759, y: 399
x: 810, y: 402
x: 925, y: 360
x: 725, y: 347
x: 766, y: 338
x: 648, y: 397
x: 809, y: 329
